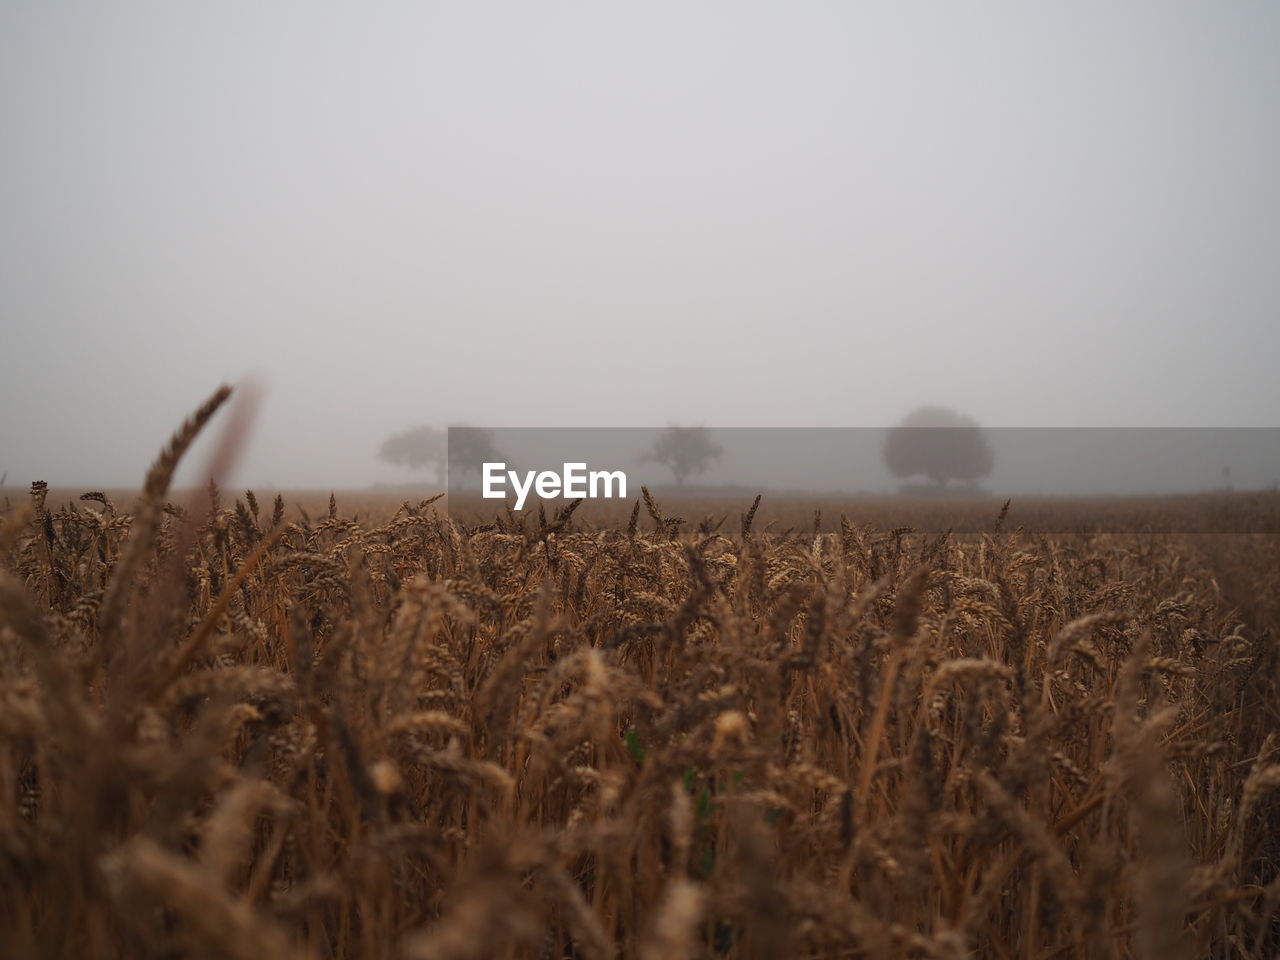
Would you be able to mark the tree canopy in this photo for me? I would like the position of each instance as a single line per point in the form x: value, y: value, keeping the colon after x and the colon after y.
x: 459, y: 448
x: 939, y: 444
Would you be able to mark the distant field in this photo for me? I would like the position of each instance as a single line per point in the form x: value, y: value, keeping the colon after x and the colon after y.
x: 782, y: 513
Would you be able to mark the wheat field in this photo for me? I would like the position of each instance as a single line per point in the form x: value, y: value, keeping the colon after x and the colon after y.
x: 230, y: 728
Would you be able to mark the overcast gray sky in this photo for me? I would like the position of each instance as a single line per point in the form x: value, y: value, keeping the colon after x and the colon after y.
x: 584, y: 213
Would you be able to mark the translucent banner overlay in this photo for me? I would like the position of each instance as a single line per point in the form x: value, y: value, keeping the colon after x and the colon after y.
x: 1100, y: 480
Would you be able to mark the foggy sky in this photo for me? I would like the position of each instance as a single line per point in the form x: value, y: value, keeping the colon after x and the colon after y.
x: 558, y: 214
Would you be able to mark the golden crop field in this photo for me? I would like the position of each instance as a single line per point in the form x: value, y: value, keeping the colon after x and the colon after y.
x: 229, y: 729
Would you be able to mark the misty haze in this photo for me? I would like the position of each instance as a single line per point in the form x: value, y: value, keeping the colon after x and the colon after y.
x: 560, y: 216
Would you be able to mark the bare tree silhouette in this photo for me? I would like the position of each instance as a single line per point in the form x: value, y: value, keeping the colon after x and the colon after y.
x: 684, y: 451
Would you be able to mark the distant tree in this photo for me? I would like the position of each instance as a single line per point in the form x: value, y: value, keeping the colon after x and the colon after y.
x: 460, y: 448
x: 939, y: 444
x: 685, y: 451
x: 470, y: 448
x: 415, y: 448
